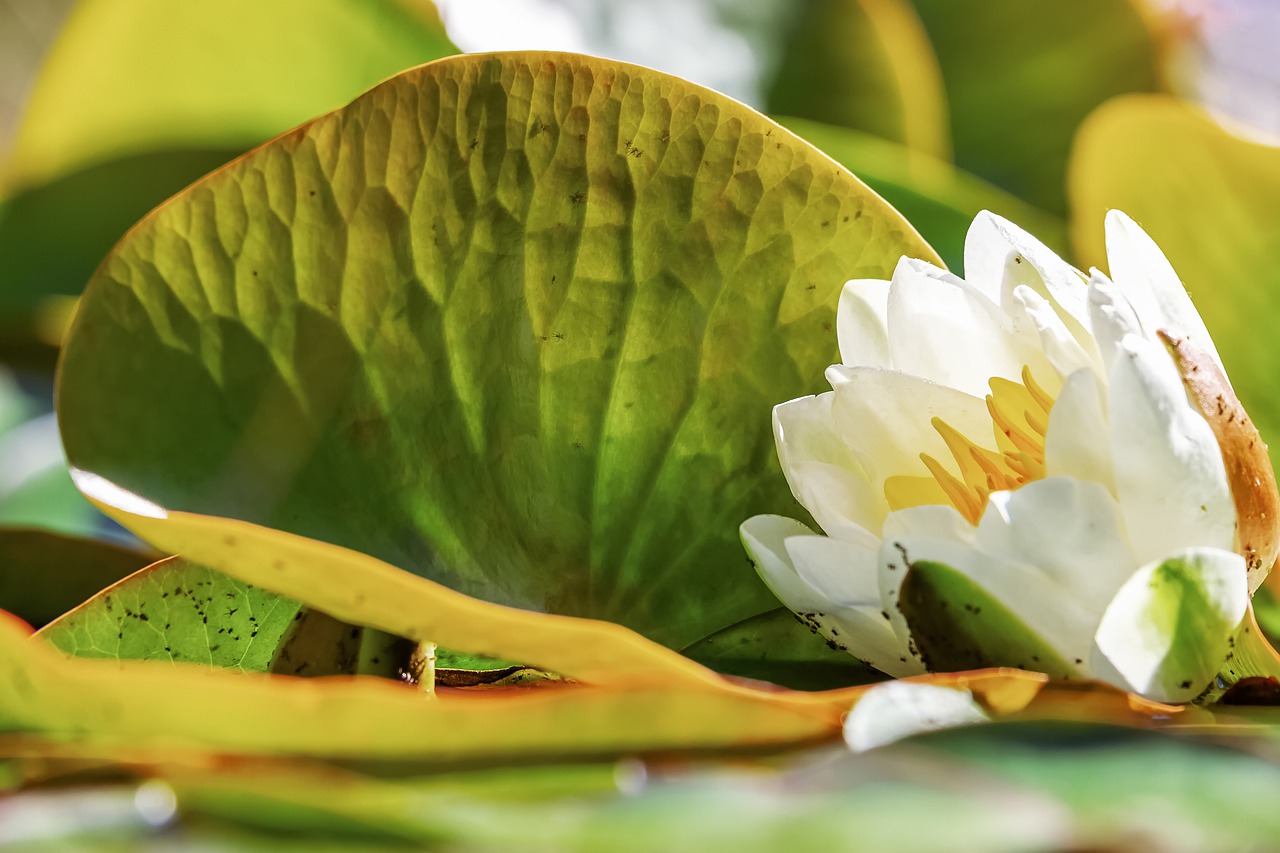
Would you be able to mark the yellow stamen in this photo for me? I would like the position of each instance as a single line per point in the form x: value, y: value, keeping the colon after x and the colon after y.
x: 1019, y: 418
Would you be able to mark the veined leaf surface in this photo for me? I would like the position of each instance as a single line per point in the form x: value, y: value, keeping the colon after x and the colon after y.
x: 514, y: 322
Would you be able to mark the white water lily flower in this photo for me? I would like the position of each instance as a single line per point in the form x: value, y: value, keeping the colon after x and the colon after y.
x: 1028, y: 467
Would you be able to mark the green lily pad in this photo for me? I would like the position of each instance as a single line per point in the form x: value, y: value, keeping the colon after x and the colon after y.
x: 1020, y: 77
x: 137, y: 98
x: 957, y: 625
x: 514, y: 322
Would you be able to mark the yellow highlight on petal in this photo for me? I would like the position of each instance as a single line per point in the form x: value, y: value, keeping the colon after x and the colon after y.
x: 1019, y: 419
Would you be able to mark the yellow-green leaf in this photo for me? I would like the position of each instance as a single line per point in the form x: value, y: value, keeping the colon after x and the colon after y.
x: 513, y: 322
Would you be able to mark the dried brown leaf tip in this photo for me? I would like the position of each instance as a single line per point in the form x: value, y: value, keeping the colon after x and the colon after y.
x: 1249, y: 472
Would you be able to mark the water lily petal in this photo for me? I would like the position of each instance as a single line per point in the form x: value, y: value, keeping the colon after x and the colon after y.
x: 846, y: 575
x: 764, y: 537
x: 1003, y: 257
x: 769, y: 540
x: 886, y: 418
x: 949, y: 333
x: 1112, y: 317
x: 1077, y: 441
x: 862, y: 323
x: 898, y: 709
x: 1168, y: 630
x: 1147, y: 279
x: 1047, y: 607
x: 1169, y: 475
x: 1069, y: 529
x: 1062, y: 349
x: 824, y: 474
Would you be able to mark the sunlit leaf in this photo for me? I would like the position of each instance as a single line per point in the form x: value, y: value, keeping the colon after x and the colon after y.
x: 144, y: 701
x: 1209, y: 199
x: 514, y: 322
x: 939, y: 199
x: 137, y: 98
x: 862, y: 64
x: 1021, y: 76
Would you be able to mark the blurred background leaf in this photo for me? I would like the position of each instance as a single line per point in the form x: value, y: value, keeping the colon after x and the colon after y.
x: 137, y: 98
x: 862, y: 64
x: 1020, y: 76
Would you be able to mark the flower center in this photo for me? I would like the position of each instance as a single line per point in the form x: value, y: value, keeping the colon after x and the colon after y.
x: 1019, y: 419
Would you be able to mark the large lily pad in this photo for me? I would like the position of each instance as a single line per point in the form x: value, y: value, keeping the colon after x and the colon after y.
x: 513, y: 322
x: 1210, y: 200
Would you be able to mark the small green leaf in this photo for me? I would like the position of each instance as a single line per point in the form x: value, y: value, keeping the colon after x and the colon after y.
x: 178, y: 611
x: 957, y: 625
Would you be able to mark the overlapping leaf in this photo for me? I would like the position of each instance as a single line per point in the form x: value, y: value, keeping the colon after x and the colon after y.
x: 513, y: 322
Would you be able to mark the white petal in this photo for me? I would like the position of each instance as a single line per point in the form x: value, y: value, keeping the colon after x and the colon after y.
x: 1145, y: 277
x: 999, y: 257
x: 1112, y: 317
x: 938, y: 521
x: 846, y: 576
x: 765, y: 538
x: 844, y: 573
x: 1169, y: 475
x: 898, y: 709
x: 949, y: 334
x: 1072, y: 531
x: 1168, y: 631
x: 1062, y: 349
x: 824, y: 474
x: 862, y: 323
x: 886, y: 417
x: 1078, y: 441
